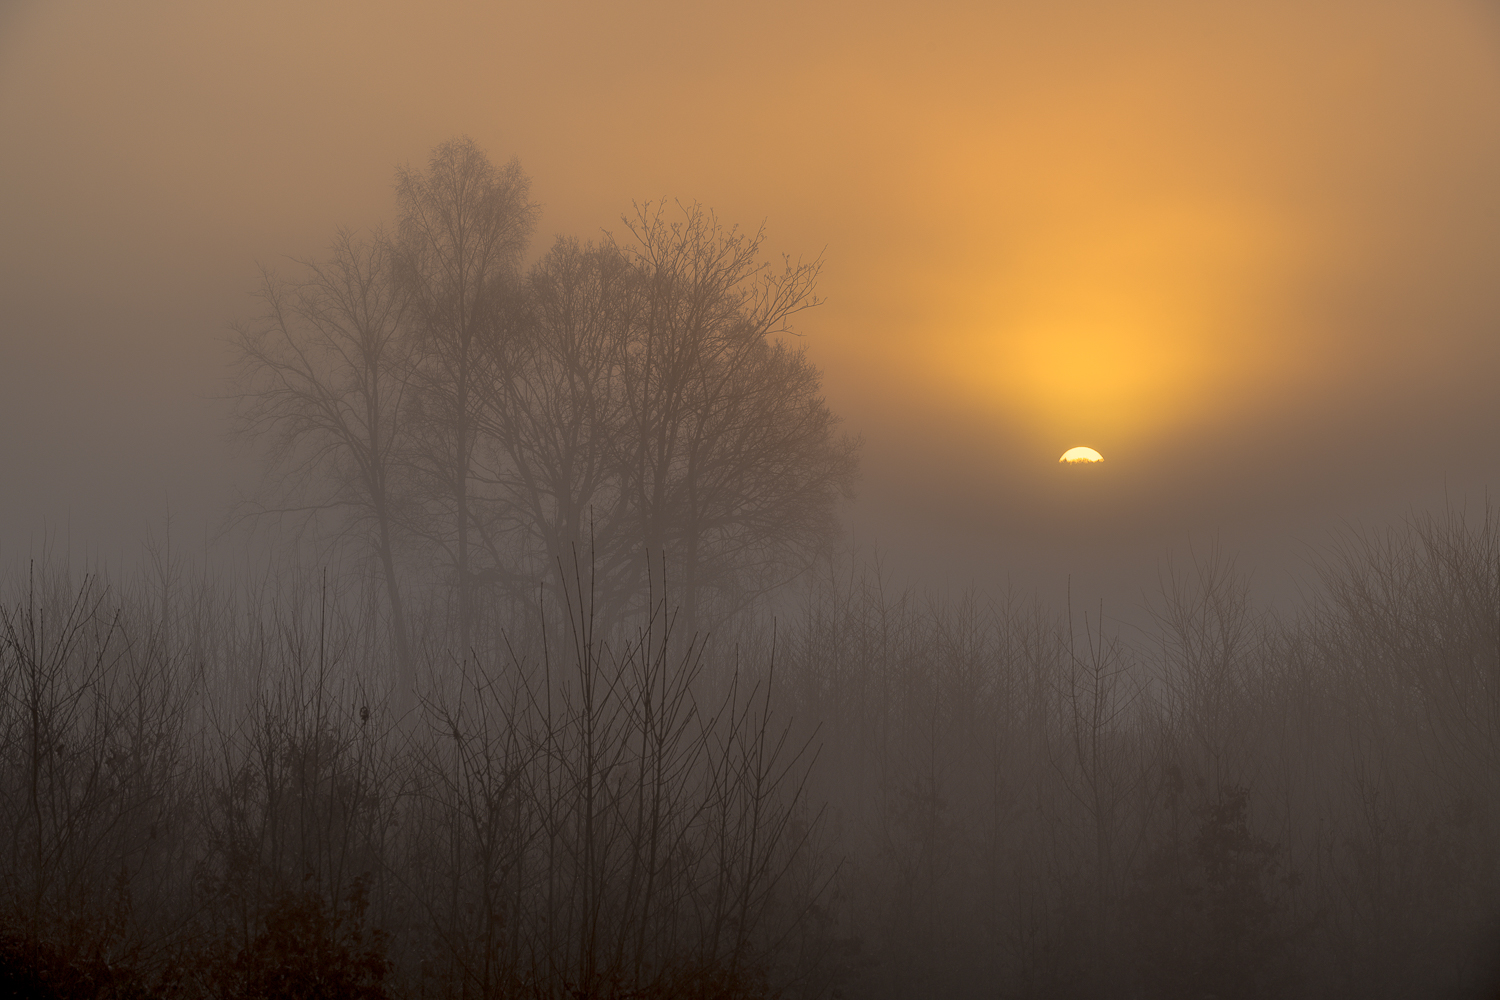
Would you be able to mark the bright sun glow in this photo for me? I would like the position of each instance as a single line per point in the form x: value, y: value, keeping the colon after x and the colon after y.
x: 1077, y: 456
x: 1134, y: 317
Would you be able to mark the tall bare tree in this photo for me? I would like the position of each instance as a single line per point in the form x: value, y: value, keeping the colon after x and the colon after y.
x: 553, y: 420
x: 638, y: 416
x: 322, y: 377
x: 464, y: 225
x: 733, y: 466
x: 630, y: 408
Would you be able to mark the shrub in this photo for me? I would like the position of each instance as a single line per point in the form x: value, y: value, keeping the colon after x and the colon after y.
x: 307, y: 950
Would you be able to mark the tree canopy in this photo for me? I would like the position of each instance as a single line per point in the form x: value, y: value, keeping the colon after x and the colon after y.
x: 632, y: 407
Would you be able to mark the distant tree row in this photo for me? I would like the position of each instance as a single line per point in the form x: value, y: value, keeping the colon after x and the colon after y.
x: 928, y: 798
x: 622, y: 410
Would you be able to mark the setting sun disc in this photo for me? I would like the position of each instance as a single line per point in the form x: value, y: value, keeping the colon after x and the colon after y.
x: 1081, y: 456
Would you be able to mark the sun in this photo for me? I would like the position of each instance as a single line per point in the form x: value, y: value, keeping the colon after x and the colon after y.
x: 1081, y: 456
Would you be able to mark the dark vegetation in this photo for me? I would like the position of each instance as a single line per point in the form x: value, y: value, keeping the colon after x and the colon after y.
x: 628, y: 408
x: 583, y: 705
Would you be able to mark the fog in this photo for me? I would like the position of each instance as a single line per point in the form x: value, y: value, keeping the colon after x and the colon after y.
x: 1250, y: 254
x: 1271, y: 232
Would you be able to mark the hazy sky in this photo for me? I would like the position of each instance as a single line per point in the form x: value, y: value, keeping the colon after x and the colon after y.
x: 1249, y: 252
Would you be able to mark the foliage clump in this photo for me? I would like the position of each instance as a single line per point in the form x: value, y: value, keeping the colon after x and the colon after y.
x: 309, y: 950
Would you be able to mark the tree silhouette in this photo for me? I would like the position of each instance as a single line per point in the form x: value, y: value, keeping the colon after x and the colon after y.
x: 322, y: 377
x: 463, y: 227
x: 732, y: 468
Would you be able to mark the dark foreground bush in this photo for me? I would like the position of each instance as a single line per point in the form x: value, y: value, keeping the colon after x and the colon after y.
x: 307, y: 950
x: 34, y: 969
x: 711, y: 984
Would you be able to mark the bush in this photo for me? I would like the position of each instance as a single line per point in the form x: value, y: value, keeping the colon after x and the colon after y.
x: 307, y: 950
x: 34, y: 969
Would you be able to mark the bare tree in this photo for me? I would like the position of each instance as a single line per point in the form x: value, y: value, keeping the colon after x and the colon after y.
x: 641, y: 416
x: 553, y: 419
x: 732, y: 469
x: 463, y: 227
x: 322, y: 378
x: 626, y: 407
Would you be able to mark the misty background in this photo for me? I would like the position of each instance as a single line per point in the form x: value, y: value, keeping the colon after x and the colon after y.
x: 1026, y: 730
x: 1273, y: 230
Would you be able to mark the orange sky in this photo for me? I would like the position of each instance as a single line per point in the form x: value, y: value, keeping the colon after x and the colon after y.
x: 1249, y: 252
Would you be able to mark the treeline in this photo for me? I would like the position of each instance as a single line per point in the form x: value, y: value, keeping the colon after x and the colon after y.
x: 208, y: 792
x: 1230, y: 806
x: 880, y: 796
x: 488, y: 429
